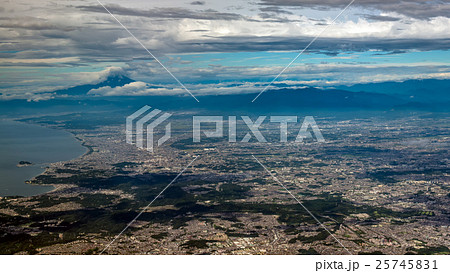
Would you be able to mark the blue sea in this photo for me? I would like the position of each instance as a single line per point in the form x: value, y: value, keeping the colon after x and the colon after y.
x: 36, y: 144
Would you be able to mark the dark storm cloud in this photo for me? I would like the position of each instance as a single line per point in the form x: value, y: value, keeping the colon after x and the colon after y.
x: 330, y: 46
x: 420, y: 9
x: 271, y: 18
x: 165, y: 13
x: 198, y: 3
x: 274, y: 9
x: 381, y: 18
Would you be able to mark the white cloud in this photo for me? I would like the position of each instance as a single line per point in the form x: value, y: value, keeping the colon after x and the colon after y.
x: 46, y: 46
x: 5, y: 61
x: 134, y: 89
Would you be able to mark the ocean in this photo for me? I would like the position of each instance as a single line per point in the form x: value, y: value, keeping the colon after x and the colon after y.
x: 37, y: 145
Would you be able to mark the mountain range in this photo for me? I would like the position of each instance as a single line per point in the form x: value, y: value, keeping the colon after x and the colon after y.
x: 422, y: 91
x: 429, y: 95
x: 420, y: 94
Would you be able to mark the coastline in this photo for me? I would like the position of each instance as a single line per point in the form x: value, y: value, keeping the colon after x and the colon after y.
x: 57, y: 186
x: 45, y: 163
x: 83, y: 143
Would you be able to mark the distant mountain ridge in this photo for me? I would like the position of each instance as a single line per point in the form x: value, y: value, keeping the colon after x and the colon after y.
x: 417, y: 91
x: 81, y: 90
x: 309, y: 97
x: 418, y: 95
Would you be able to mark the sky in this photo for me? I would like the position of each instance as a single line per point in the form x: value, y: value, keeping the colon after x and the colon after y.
x: 218, y: 47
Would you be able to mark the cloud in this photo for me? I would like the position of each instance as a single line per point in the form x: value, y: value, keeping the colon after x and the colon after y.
x: 166, y: 13
x: 31, y: 23
x: 64, y: 31
x: 35, y: 62
x: 418, y: 9
x: 234, y: 80
x: 274, y: 9
x: 34, y: 87
x: 27, y: 96
x: 109, y: 72
x: 238, y: 80
x: 330, y: 70
x: 331, y: 45
x: 44, y: 46
x: 382, y: 18
x: 131, y: 89
x: 198, y: 3
x: 145, y: 89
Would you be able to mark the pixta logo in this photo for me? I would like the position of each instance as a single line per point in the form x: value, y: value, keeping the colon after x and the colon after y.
x: 253, y: 126
x: 143, y: 122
